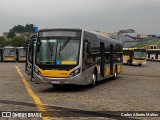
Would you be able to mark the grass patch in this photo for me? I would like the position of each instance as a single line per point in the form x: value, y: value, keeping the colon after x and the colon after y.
x: 147, y: 44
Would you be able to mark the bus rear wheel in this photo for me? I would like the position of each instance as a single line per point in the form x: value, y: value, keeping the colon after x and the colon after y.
x: 115, y: 74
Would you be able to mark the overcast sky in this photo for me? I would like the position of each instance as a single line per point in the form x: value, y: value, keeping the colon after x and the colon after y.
x: 103, y: 15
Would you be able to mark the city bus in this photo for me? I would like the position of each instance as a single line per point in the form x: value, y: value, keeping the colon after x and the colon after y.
x: 1, y: 54
x: 134, y: 56
x: 153, y: 54
x: 21, y: 54
x: 75, y: 56
x: 9, y: 53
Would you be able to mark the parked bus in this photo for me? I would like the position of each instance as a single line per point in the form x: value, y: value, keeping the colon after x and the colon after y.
x: 134, y: 56
x: 75, y: 56
x: 1, y: 54
x: 21, y: 54
x: 153, y: 54
x: 9, y: 53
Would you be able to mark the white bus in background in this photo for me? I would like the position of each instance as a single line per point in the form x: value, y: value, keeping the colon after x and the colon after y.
x: 153, y: 54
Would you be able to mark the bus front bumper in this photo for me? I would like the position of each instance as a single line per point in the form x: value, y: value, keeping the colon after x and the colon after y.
x: 76, y: 80
x: 139, y: 63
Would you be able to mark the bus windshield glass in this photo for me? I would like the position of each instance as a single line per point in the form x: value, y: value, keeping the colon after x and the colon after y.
x: 140, y: 54
x: 9, y: 52
x: 58, y: 51
x: 22, y: 52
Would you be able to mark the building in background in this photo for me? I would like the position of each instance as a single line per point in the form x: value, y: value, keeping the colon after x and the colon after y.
x: 5, y: 34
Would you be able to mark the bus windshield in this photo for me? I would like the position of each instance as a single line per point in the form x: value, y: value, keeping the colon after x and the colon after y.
x: 9, y: 52
x: 22, y: 52
x: 58, y: 51
x: 140, y: 54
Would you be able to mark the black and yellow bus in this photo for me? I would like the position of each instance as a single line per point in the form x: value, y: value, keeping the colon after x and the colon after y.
x: 75, y: 56
x: 153, y: 54
x: 21, y: 54
x: 9, y: 53
x: 1, y: 54
x: 134, y: 56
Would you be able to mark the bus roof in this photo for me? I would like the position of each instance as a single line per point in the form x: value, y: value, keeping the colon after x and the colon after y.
x: 153, y: 49
x: 98, y: 35
x: 60, y: 29
x: 102, y: 37
x: 9, y: 47
x: 19, y: 47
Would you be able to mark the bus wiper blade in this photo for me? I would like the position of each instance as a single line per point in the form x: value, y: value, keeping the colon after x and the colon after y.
x: 64, y: 45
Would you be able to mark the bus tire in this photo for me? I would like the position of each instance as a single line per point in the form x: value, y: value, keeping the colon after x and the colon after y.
x: 56, y: 85
x: 152, y: 59
x: 115, y: 74
x: 94, y: 79
x: 128, y: 62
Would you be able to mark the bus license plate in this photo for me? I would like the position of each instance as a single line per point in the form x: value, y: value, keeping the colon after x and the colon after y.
x: 55, y: 82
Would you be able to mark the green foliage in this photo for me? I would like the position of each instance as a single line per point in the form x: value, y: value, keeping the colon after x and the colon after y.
x: 145, y: 44
x: 19, y: 29
x: 1, y: 42
x: 28, y: 28
x: 11, y: 34
x: 5, y: 42
x: 18, y: 41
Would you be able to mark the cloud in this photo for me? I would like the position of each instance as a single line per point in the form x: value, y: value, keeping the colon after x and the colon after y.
x: 104, y: 15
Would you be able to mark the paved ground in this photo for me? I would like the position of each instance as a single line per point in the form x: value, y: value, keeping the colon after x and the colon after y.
x: 136, y: 89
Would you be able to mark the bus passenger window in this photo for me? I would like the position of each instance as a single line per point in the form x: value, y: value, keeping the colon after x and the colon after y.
x: 87, y: 52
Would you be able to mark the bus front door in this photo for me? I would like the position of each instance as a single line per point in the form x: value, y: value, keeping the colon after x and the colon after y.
x: 111, y: 59
x: 102, y: 65
x: 131, y: 57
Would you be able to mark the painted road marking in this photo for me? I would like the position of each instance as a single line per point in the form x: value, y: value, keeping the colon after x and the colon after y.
x: 39, y: 104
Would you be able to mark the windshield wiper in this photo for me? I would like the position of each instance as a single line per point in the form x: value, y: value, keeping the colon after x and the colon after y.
x: 64, y: 45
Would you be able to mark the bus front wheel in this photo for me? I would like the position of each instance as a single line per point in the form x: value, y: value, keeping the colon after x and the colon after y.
x: 56, y: 85
x: 94, y: 79
x: 128, y: 63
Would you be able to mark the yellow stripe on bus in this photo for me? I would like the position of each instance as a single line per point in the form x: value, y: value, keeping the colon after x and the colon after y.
x: 68, y: 62
x: 139, y: 60
x: 119, y: 69
x: 55, y: 73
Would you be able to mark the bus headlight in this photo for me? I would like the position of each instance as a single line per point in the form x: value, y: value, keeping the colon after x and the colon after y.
x: 75, y: 72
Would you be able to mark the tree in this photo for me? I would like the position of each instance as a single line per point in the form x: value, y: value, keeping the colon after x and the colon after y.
x: 18, y: 41
x: 29, y: 28
x: 1, y: 42
x: 11, y: 34
x: 19, y: 29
